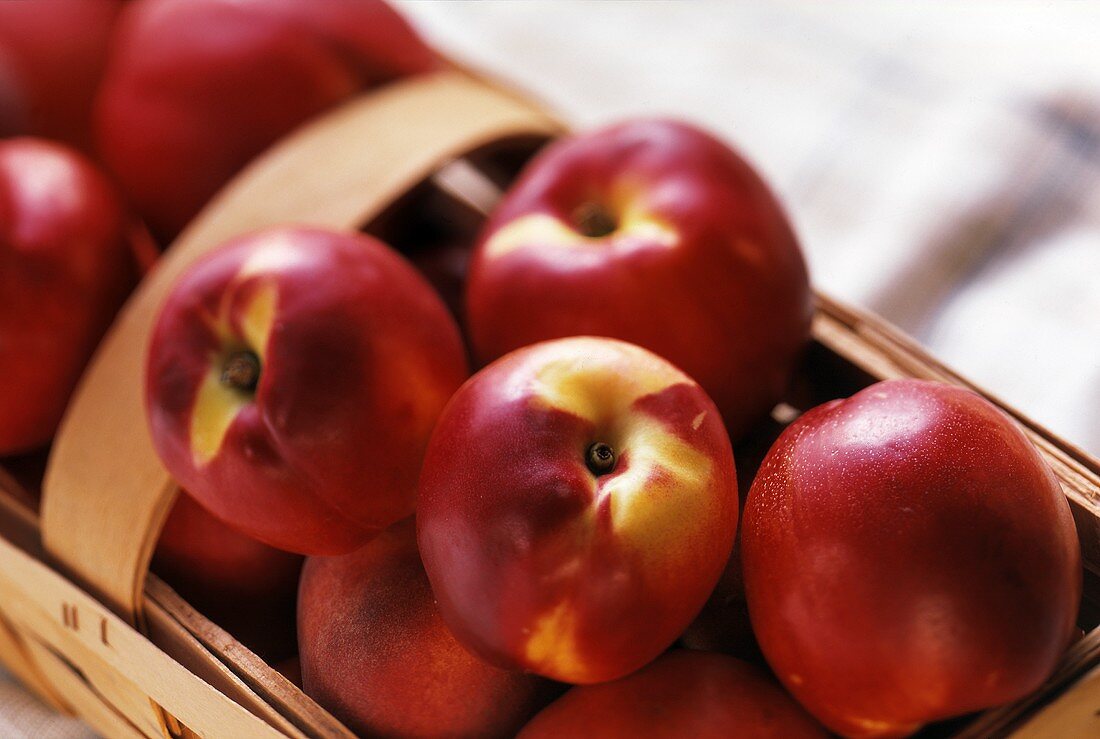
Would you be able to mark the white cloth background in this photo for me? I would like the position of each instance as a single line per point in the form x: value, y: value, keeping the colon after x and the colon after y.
x: 940, y: 161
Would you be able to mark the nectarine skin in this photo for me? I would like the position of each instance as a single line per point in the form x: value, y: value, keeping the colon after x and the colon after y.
x: 52, y: 55
x: 689, y: 255
x: 543, y: 564
x: 682, y: 694
x: 354, y: 357
x: 377, y: 655
x: 908, y: 556
x: 197, y: 88
x: 244, y: 586
x: 65, y: 268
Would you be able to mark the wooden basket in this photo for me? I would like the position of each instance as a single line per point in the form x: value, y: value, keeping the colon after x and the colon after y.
x: 85, y: 626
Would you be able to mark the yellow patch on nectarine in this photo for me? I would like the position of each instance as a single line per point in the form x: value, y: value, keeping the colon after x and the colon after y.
x: 216, y: 405
x: 659, y: 499
x: 603, y: 390
x: 542, y: 230
x: 215, y: 408
x: 404, y: 367
x: 258, y: 318
x: 648, y: 229
x: 552, y: 647
x: 537, y: 229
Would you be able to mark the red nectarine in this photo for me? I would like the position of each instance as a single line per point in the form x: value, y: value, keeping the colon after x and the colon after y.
x: 245, y: 587
x: 682, y: 694
x: 655, y: 233
x: 194, y: 89
x: 908, y: 556
x: 65, y: 268
x: 577, y: 504
x: 294, y: 377
x: 52, y: 55
x: 377, y: 655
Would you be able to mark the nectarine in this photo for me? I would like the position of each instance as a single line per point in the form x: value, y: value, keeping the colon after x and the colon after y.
x: 245, y: 587
x: 376, y: 653
x: 194, y: 89
x: 52, y: 55
x: 652, y: 232
x: 908, y: 556
x: 577, y: 504
x: 294, y: 377
x: 682, y: 694
x: 65, y: 268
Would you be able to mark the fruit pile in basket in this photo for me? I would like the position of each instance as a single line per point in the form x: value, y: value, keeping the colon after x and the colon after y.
x: 583, y: 537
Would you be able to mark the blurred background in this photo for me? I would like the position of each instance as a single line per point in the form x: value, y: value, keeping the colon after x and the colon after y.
x: 940, y: 161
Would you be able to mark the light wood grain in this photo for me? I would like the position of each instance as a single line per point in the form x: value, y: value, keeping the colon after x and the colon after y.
x: 114, y: 657
x: 85, y: 701
x: 24, y: 654
x: 16, y: 657
x: 279, y: 693
x: 165, y: 630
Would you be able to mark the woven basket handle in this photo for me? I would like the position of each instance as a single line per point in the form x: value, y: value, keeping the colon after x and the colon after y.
x: 106, y: 493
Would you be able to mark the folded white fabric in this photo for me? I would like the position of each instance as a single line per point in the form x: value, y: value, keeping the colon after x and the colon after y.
x: 22, y: 715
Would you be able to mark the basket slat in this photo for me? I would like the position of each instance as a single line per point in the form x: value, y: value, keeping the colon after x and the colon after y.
x: 112, y: 654
x: 269, y: 685
x: 89, y: 705
x: 1066, y: 680
x: 168, y: 634
x: 16, y: 656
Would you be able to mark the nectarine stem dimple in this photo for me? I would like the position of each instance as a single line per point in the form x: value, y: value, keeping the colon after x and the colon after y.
x: 600, y: 458
x: 241, y: 371
x: 593, y: 220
